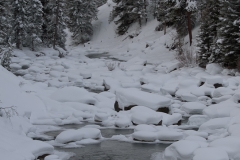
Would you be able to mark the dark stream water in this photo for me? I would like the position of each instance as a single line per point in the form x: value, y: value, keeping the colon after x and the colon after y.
x: 109, y: 149
x: 104, y: 55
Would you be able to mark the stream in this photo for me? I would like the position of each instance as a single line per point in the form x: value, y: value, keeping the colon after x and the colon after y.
x: 111, y: 149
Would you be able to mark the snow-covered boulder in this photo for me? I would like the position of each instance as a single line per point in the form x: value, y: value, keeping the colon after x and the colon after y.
x: 146, y: 136
x: 197, y: 120
x: 129, y: 97
x: 215, y: 125
x: 193, y: 107
x: 181, y: 150
x: 169, y: 135
x: 229, y: 144
x: 73, y: 94
x: 210, y: 153
x: 214, y: 68
x: 77, y: 135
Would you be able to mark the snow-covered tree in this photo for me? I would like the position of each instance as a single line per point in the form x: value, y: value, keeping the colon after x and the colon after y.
x: 208, y: 34
x: 129, y: 12
x: 35, y: 18
x: 154, y: 8
x: 182, y: 13
x: 100, y: 2
x: 54, y: 23
x: 81, y: 13
x: 228, y: 41
x: 5, y: 22
x: 20, y: 22
x: 5, y: 56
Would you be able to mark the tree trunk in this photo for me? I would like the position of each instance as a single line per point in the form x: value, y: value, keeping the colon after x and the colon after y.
x: 165, y: 28
x: 189, y: 27
x: 56, y: 25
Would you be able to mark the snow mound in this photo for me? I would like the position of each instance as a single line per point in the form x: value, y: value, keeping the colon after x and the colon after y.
x: 78, y: 135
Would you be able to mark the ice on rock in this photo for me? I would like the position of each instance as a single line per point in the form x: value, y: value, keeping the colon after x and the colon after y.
x: 77, y: 135
x: 193, y: 107
x: 229, y: 144
x: 210, y: 153
x: 214, y: 68
x: 128, y: 97
x: 73, y: 94
x: 147, y: 136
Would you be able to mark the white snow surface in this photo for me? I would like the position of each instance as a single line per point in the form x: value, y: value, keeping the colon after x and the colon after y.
x: 54, y: 91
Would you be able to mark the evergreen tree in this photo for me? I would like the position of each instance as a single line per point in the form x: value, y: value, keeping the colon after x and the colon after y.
x: 54, y: 23
x: 154, y: 8
x: 208, y: 33
x: 20, y: 22
x: 81, y: 13
x: 182, y: 14
x: 5, y: 22
x: 228, y: 41
x: 164, y: 9
x: 35, y: 18
x: 129, y: 11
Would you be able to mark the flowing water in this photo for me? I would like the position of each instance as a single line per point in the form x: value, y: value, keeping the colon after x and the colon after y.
x: 109, y: 149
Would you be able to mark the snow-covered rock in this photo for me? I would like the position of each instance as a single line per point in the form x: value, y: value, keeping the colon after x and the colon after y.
x: 77, y: 135
x: 128, y: 97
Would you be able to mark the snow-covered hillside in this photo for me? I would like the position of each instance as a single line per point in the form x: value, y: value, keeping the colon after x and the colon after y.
x: 194, y: 110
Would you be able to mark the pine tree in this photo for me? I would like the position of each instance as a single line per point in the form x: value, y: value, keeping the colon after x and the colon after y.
x: 35, y: 18
x: 81, y: 13
x: 182, y: 14
x: 164, y: 9
x: 208, y: 33
x: 154, y: 8
x: 5, y: 22
x: 5, y: 56
x: 20, y: 22
x: 54, y: 23
x: 129, y: 12
x: 228, y: 41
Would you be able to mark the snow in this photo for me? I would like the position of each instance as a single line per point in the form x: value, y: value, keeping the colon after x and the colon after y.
x: 210, y: 153
x: 193, y: 107
x: 78, y: 135
x: 51, y: 92
x: 127, y: 97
